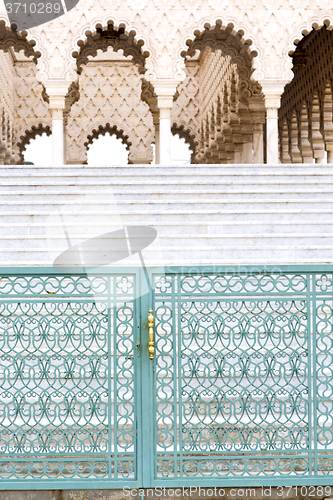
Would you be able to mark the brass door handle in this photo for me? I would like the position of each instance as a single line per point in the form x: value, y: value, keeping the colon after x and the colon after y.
x: 151, y: 348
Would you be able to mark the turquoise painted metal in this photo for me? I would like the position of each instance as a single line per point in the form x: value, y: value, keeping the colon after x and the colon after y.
x: 239, y: 390
x: 68, y: 380
x: 244, y: 376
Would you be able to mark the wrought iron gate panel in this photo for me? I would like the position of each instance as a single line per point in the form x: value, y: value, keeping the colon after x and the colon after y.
x: 323, y: 380
x: 237, y: 401
x: 240, y: 390
x: 67, y: 380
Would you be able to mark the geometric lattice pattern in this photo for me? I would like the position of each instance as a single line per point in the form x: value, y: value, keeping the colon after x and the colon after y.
x: 67, y: 392
x: 235, y: 396
x: 240, y: 387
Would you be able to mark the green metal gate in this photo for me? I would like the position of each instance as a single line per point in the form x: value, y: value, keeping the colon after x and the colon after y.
x: 69, y: 380
x: 239, y: 389
x: 243, y: 377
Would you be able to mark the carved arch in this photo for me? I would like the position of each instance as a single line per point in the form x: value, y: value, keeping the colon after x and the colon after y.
x: 29, y: 134
x: 112, y: 130
x: 19, y: 41
x: 219, y: 25
x: 238, y: 53
x: 315, y: 23
x: 102, y: 129
x: 185, y: 132
x: 119, y: 34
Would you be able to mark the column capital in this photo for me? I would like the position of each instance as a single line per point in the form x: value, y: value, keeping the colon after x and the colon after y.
x: 273, y: 90
x: 57, y: 91
x: 165, y: 90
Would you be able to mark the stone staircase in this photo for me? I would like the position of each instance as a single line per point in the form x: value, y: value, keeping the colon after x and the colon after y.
x: 203, y: 214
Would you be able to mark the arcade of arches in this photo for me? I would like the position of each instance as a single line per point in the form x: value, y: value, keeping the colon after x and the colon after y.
x: 232, y: 94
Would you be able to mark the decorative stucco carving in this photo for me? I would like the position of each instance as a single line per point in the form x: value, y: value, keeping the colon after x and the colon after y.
x: 110, y: 37
x: 11, y: 39
x: 310, y: 90
x: 110, y: 93
x: 220, y: 103
x: 186, y: 109
x: 267, y: 29
x: 29, y: 134
x: 32, y: 114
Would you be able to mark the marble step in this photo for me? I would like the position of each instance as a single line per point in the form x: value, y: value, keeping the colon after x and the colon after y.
x: 68, y: 190
x: 193, y: 241
x: 203, y: 214
x: 198, y: 256
x: 82, y: 231
x: 160, y: 207
x: 103, y: 199
x: 174, y: 216
x: 163, y: 180
x: 124, y: 192
x: 130, y: 170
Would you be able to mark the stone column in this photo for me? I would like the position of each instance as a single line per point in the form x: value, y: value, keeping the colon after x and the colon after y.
x: 328, y: 122
x: 65, y: 115
x: 306, y: 148
x: 247, y: 152
x: 2, y: 155
x: 165, y: 91
x: 285, y: 156
x: 272, y: 136
x: 330, y: 156
x: 9, y: 150
x: 258, y: 143
x: 247, y: 136
x: 165, y: 136
x: 156, y: 121
x: 295, y: 151
x: 58, y: 141
x: 257, y: 110
x: 238, y: 157
x: 272, y: 90
x: 57, y: 91
x: 317, y: 139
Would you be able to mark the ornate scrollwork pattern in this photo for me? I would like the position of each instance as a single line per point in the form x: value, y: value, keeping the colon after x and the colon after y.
x: 237, y: 402
x: 242, y: 376
x: 67, y: 377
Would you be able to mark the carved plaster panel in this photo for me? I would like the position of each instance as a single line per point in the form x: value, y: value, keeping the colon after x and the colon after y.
x: 110, y: 93
x: 267, y: 28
